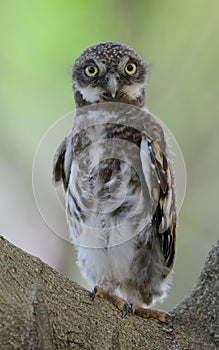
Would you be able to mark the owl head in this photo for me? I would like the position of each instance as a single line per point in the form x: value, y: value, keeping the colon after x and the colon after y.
x: 109, y: 71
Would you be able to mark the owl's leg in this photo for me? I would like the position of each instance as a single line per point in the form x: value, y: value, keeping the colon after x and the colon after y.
x: 156, y: 314
x: 120, y: 303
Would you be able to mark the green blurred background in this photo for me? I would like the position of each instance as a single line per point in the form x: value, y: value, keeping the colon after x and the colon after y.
x: 39, y: 42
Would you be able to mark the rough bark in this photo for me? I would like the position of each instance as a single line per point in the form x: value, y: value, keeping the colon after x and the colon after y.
x: 41, y: 309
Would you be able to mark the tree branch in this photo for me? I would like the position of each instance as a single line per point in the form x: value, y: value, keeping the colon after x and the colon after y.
x: 41, y: 309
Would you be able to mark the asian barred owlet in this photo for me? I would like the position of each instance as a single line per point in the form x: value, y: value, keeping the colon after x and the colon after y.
x: 118, y: 180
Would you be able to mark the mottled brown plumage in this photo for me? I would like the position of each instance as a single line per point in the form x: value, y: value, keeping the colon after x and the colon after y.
x: 118, y: 178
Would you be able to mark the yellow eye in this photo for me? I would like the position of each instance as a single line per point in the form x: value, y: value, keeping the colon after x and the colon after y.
x: 91, y: 71
x: 130, y: 68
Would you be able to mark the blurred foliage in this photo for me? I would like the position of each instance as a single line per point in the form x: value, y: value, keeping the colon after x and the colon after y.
x: 179, y: 39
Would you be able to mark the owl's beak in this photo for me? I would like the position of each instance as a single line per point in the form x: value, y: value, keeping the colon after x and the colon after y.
x: 112, y: 83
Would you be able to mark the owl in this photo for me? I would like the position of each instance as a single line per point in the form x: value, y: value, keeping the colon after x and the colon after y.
x: 118, y: 180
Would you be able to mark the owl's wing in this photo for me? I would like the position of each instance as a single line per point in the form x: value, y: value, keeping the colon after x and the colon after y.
x: 160, y: 181
x: 59, y: 164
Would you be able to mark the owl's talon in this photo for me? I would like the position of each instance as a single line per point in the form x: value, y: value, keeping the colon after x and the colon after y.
x: 126, y: 309
x: 93, y: 293
x: 169, y: 319
x: 131, y: 309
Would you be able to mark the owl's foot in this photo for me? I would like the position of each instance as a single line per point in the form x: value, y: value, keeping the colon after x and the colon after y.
x: 123, y: 306
x: 120, y: 303
x: 156, y: 314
